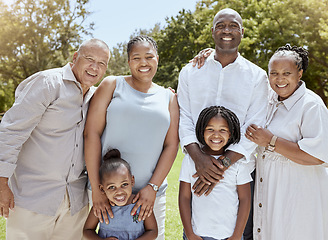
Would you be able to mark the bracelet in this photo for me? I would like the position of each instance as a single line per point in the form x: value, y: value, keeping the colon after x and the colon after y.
x: 272, y: 145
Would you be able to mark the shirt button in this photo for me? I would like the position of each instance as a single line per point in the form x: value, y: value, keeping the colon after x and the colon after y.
x: 260, y: 205
x: 73, y: 165
x: 76, y: 145
x: 263, y: 156
x: 261, y: 179
x: 259, y: 230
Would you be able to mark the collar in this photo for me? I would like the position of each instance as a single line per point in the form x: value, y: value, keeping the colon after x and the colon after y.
x: 237, y: 61
x: 68, y: 73
x: 293, y: 99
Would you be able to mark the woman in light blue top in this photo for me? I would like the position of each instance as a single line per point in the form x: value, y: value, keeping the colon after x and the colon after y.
x: 140, y: 118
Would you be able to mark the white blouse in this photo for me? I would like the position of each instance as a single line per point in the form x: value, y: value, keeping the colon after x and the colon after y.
x: 291, y: 200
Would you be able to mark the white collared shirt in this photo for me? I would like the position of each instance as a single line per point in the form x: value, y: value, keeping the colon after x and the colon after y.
x: 241, y: 87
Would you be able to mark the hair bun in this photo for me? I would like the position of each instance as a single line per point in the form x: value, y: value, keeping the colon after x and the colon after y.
x: 113, y: 153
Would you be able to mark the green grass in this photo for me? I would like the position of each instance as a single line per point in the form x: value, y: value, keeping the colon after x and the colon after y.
x: 2, y: 228
x: 173, y: 225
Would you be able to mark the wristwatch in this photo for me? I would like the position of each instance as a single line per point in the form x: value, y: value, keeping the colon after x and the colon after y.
x: 155, y: 187
x: 272, y: 145
x: 225, y: 161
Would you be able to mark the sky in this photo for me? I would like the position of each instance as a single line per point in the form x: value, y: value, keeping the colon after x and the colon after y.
x: 116, y: 20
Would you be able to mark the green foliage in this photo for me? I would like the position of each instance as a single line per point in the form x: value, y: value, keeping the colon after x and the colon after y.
x: 6, y: 95
x: 118, y: 63
x: 177, y: 44
x: 38, y: 35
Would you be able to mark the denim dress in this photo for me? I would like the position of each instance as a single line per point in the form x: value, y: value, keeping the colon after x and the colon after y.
x: 123, y: 226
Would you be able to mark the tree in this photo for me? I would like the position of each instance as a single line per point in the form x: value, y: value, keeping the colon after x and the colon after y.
x: 6, y: 95
x: 118, y: 62
x: 38, y: 35
x: 177, y: 44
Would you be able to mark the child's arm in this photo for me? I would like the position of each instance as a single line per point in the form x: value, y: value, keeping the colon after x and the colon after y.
x: 244, y: 195
x: 185, y: 210
x: 89, y: 229
x: 151, y: 229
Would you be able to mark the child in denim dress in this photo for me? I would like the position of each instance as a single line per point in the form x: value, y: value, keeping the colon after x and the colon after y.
x: 117, y: 182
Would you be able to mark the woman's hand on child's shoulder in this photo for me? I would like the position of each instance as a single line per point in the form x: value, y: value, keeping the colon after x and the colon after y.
x: 101, y: 206
x: 146, y: 199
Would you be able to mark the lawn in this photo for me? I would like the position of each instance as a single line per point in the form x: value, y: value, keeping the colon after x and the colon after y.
x: 173, y: 229
x: 173, y: 225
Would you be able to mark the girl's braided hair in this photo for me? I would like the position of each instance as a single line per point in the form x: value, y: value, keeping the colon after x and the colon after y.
x: 210, y: 112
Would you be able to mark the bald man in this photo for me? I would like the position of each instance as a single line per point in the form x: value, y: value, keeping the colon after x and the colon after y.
x: 226, y: 79
x: 42, y: 169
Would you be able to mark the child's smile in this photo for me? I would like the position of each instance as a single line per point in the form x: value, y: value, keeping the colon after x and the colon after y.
x: 216, y: 135
x: 120, y: 198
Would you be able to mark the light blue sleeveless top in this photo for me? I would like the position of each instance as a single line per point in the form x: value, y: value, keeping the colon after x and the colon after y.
x: 123, y: 226
x: 137, y: 124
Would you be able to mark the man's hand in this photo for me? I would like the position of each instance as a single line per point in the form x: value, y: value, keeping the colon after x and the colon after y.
x: 101, y: 206
x: 6, y: 198
x: 146, y: 199
x: 209, y: 170
x: 200, y: 187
